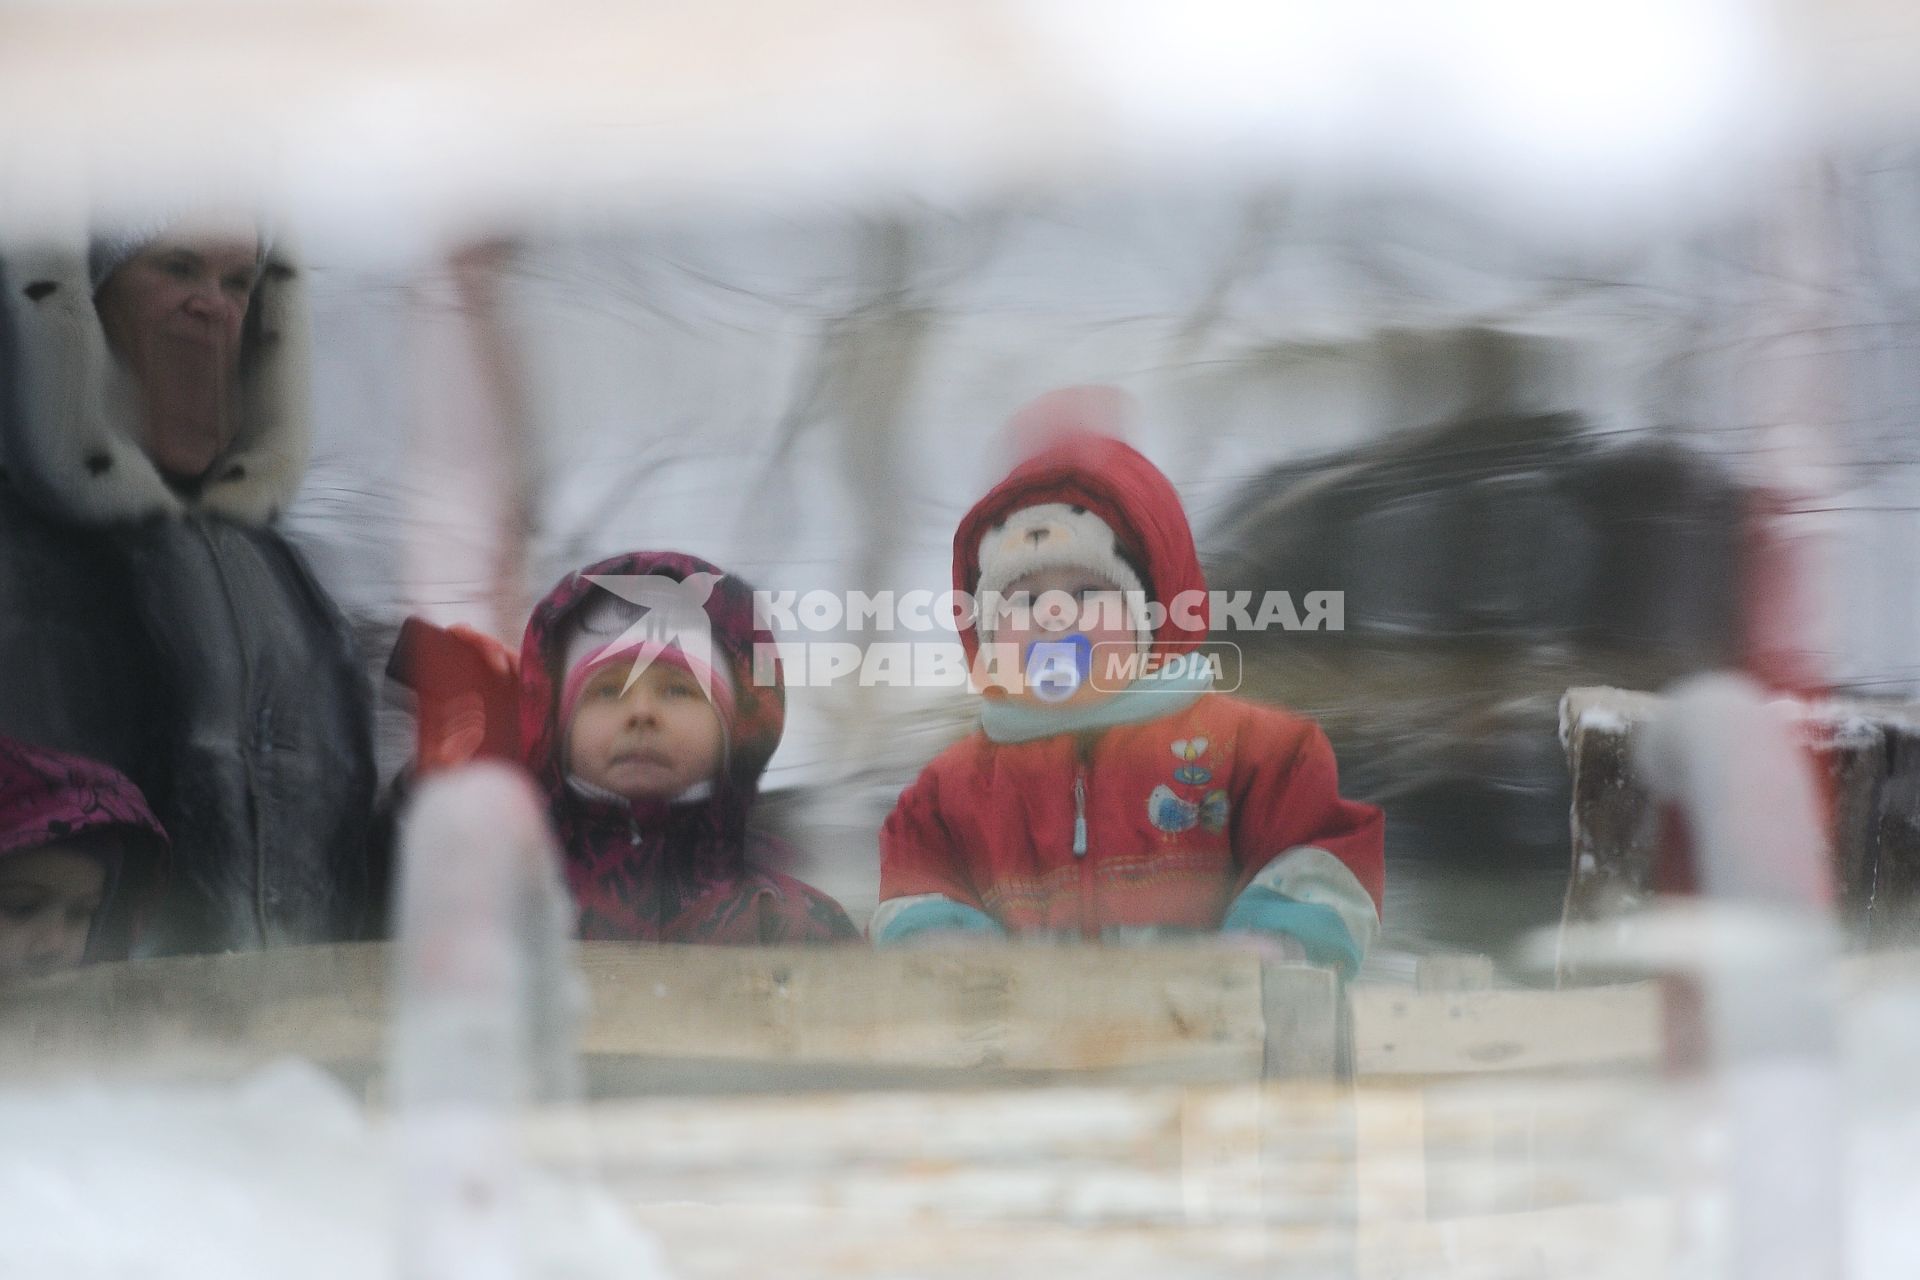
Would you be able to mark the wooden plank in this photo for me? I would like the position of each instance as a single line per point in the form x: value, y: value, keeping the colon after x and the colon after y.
x: 1229, y: 1180
x: 1401, y: 1033
x: 689, y: 1017
x: 1390, y: 1155
x: 325, y: 1003
x: 1615, y: 829
x: 1219, y: 1154
x: 706, y: 1242
x: 1624, y: 1240
x: 1197, y: 1011
x: 1242, y: 1153
x: 1462, y: 971
x: 1888, y: 889
x: 693, y: 1018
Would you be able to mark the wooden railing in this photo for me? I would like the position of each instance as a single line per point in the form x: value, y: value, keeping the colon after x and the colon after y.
x: 694, y: 1019
x: 1197, y: 1120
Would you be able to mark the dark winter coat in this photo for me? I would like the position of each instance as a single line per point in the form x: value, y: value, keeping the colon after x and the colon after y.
x: 176, y: 635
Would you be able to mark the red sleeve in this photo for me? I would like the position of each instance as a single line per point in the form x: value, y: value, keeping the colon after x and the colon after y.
x: 467, y: 691
x: 917, y: 851
x: 1286, y: 794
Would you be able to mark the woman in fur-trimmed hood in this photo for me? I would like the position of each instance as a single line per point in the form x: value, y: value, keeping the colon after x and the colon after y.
x: 153, y: 427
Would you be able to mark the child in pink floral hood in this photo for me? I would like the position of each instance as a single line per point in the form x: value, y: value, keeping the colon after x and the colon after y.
x: 79, y: 851
x: 646, y: 723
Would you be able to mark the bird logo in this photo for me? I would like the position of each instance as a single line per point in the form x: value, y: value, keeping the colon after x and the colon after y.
x: 1172, y: 814
x: 672, y: 615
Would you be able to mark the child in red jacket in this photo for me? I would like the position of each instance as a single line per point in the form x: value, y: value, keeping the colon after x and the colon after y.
x: 1154, y: 809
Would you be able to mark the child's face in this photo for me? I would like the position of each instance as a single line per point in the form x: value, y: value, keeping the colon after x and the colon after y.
x: 48, y: 898
x: 1089, y: 605
x: 651, y: 742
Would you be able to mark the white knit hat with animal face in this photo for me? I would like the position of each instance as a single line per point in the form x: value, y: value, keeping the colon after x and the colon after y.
x: 1055, y: 535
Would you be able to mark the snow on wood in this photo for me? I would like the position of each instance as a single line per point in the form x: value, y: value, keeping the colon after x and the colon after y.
x: 1869, y: 752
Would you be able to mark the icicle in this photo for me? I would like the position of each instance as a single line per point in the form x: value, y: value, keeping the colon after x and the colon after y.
x: 486, y: 1009
x: 1764, y: 955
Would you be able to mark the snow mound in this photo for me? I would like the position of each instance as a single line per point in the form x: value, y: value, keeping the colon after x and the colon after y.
x: 283, y: 1176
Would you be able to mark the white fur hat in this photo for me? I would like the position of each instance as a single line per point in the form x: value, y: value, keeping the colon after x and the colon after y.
x: 1054, y: 535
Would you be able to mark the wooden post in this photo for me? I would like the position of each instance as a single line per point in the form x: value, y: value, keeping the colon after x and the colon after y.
x: 1304, y: 1012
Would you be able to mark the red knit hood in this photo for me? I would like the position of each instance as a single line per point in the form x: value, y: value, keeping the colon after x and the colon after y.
x: 1118, y: 484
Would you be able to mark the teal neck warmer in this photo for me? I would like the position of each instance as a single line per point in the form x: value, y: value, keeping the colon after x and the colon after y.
x: 1009, y: 720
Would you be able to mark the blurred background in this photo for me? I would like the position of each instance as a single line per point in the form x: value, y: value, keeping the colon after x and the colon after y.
x: 1573, y: 346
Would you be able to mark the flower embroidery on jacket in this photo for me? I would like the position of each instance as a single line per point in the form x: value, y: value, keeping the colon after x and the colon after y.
x: 1189, y: 750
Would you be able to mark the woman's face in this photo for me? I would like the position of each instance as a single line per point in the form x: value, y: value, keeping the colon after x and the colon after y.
x: 173, y: 315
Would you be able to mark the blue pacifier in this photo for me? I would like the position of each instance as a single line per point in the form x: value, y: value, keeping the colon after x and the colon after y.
x: 1056, y: 669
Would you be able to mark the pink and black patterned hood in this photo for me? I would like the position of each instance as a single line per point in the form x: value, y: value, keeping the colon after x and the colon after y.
x: 48, y: 796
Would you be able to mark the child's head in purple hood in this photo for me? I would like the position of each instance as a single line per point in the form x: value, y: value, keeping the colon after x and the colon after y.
x: 74, y: 836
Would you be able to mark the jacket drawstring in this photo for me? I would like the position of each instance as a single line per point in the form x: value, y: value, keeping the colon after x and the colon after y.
x: 1080, y: 814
